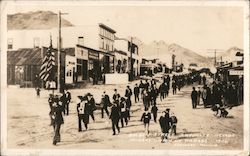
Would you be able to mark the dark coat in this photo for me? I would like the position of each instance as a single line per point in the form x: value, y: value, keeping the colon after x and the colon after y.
x: 57, y: 115
x: 194, y: 95
x: 128, y: 93
x: 115, y: 113
x: 165, y: 124
x: 146, y: 117
x: 136, y: 90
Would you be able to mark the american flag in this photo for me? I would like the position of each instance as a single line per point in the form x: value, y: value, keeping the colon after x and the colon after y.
x: 48, y: 64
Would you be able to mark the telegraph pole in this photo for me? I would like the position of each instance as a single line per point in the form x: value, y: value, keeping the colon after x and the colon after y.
x: 59, y: 52
x: 215, y: 51
x: 131, y: 60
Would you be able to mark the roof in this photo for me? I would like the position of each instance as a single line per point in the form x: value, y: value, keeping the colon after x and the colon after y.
x: 24, y: 56
x: 106, y: 27
x: 98, y: 51
x: 69, y: 51
x: 120, y: 52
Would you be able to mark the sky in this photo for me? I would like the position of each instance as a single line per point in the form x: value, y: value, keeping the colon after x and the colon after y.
x: 197, y: 28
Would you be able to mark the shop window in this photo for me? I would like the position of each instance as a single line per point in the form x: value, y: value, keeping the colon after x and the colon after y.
x: 10, y: 43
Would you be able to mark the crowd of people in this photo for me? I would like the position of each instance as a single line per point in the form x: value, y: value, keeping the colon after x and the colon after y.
x: 117, y: 108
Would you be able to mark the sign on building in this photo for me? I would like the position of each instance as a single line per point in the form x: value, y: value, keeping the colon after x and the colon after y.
x: 236, y: 72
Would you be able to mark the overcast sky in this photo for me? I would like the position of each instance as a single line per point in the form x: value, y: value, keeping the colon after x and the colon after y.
x: 197, y: 28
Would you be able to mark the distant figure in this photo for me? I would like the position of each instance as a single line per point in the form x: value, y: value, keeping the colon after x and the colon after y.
x: 173, y: 124
x: 136, y: 93
x: 198, y: 96
x: 154, y: 110
x: 105, y: 104
x: 51, y: 101
x: 68, y: 99
x: 91, y: 105
x: 194, y: 95
x: 146, y: 117
x: 38, y: 92
x: 115, y: 116
x: 124, y: 111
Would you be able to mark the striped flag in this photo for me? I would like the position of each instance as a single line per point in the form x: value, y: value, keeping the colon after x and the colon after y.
x: 48, y: 64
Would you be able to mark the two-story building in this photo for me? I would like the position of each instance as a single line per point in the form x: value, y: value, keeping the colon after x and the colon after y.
x: 88, y: 47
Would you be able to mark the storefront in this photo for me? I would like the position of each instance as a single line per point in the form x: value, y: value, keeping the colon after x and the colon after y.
x: 81, y: 64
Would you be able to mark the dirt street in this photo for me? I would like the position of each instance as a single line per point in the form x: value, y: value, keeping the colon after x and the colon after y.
x: 29, y: 124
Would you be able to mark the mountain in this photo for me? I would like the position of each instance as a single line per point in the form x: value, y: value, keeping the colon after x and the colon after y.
x: 35, y: 20
x: 164, y: 52
x: 229, y: 55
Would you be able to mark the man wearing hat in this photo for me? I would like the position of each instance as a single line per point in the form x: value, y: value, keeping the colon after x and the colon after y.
x: 116, y: 96
x: 105, y: 103
x: 83, y: 111
x: 57, y: 119
x: 91, y: 105
x: 128, y: 94
x: 115, y: 116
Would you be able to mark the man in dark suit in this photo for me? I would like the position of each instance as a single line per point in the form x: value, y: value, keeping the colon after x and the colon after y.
x: 128, y: 94
x: 105, y: 103
x: 57, y: 119
x: 194, y: 96
x: 136, y: 93
x: 68, y: 99
x: 116, y: 96
x: 115, y: 116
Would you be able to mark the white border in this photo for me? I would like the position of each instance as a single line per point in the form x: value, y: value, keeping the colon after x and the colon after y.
x: 5, y: 151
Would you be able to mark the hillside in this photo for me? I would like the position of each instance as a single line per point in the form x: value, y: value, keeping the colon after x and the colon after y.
x: 35, y: 20
x: 165, y: 51
x: 229, y: 55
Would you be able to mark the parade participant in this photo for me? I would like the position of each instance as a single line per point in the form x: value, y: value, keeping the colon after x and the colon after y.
x: 57, y: 119
x: 91, y: 105
x: 163, y: 89
x: 174, y: 86
x: 154, y: 110
x: 146, y: 85
x: 204, y: 80
x: 165, y: 122
x: 128, y: 93
x: 64, y: 101
x: 116, y: 96
x: 154, y: 93
x: 198, y: 96
x: 141, y: 86
x: 128, y: 105
x: 204, y: 96
x: 136, y: 93
x: 145, y: 99
x: 68, y: 99
x: 115, y: 116
x: 38, y: 92
x: 194, y: 97
x: 124, y: 111
x: 105, y: 103
x: 173, y: 124
x: 51, y: 101
x: 82, y: 117
x: 146, y: 117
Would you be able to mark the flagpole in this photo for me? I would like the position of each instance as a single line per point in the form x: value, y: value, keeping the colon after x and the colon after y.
x: 58, y: 54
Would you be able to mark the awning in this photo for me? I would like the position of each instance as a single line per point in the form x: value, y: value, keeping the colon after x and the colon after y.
x: 27, y: 56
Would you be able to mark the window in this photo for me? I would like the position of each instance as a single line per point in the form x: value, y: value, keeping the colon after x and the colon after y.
x: 102, y: 43
x: 36, y: 42
x: 10, y: 43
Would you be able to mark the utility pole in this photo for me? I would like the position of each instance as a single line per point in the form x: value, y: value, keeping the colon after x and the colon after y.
x: 131, y: 60
x: 215, y: 51
x: 59, y: 52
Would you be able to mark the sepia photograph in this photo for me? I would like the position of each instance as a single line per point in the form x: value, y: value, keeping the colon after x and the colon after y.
x: 108, y: 77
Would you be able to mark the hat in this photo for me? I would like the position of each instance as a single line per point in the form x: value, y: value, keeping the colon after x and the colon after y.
x: 167, y: 109
x: 88, y: 94
x: 82, y: 98
x: 115, y: 90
